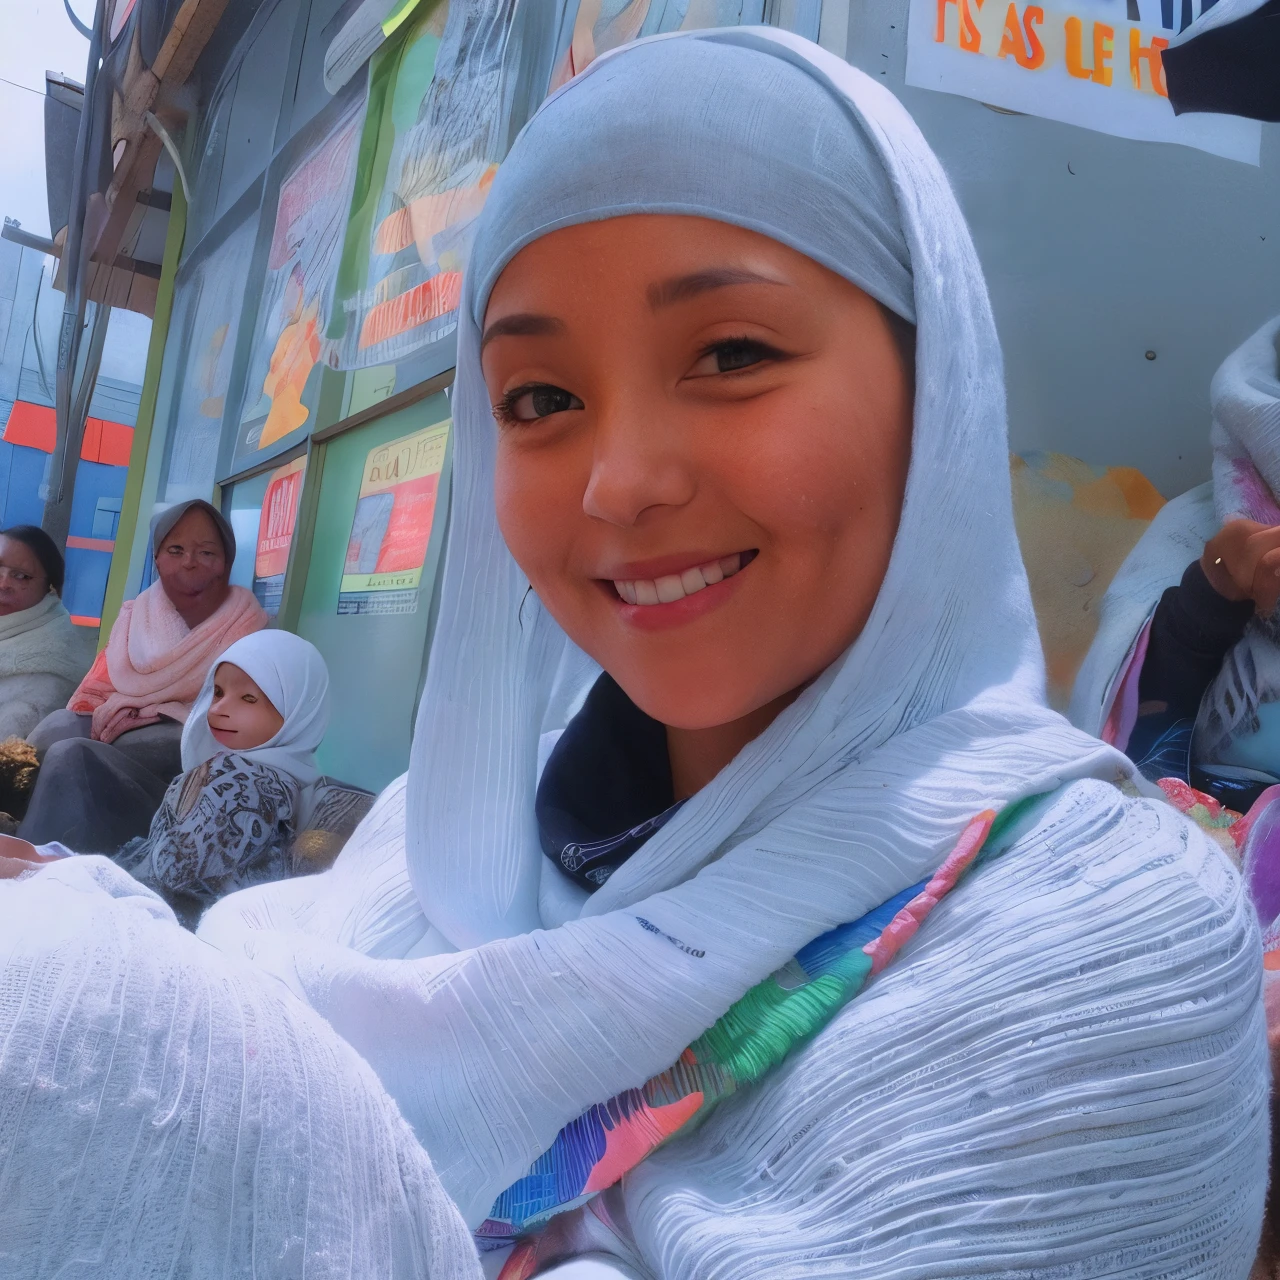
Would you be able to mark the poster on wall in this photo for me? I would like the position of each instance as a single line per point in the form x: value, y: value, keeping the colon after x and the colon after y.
x: 211, y: 300
x: 276, y: 523
x: 283, y: 377
x: 601, y: 25
x: 448, y: 91
x: 1095, y: 63
x: 441, y: 140
x: 391, y: 528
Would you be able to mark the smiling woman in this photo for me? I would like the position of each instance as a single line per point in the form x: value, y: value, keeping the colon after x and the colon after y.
x: 735, y: 668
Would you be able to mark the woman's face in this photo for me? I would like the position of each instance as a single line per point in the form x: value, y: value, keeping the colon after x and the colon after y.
x: 703, y: 446
x: 23, y: 582
x: 192, y: 562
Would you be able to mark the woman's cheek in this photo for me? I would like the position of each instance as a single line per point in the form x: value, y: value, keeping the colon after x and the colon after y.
x: 532, y: 506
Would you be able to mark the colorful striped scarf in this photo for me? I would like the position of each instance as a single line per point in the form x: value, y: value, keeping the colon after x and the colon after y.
x: 776, y: 1016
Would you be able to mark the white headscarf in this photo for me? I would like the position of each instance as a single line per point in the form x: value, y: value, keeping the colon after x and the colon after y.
x: 822, y: 159
x: 1028, y: 1079
x: 293, y: 675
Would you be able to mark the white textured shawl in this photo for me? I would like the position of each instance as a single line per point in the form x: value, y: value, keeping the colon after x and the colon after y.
x: 1067, y: 1054
x: 1065, y: 1073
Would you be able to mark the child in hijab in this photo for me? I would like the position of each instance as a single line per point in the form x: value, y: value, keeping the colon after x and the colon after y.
x: 250, y: 775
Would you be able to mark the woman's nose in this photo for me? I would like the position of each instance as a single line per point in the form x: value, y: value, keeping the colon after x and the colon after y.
x: 637, y: 464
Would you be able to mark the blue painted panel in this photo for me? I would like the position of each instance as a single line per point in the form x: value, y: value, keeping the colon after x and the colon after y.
x: 23, y: 504
x: 6, y: 465
x: 94, y: 480
x: 99, y: 490
x: 86, y: 581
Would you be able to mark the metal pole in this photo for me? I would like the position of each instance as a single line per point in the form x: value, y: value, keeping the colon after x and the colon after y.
x: 70, y: 405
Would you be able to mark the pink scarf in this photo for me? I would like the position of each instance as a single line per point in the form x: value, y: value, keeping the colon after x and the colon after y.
x: 154, y: 664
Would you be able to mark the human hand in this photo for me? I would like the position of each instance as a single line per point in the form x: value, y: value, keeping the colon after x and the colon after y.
x: 17, y: 856
x: 1242, y: 562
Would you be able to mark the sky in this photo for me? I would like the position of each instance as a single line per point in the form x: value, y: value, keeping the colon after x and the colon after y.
x: 38, y: 37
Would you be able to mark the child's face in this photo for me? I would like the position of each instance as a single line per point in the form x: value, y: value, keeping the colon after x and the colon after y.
x: 241, y: 716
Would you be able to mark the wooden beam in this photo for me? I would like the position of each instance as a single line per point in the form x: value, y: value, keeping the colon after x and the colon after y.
x: 192, y: 26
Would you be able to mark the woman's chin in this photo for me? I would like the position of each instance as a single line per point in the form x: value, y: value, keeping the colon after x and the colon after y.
x: 691, y: 697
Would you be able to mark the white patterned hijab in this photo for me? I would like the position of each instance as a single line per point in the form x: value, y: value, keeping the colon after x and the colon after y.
x: 291, y: 672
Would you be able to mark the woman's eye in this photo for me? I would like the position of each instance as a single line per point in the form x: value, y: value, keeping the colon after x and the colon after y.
x: 248, y: 697
x: 732, y: 355
x: 528, y: 404
x: 217, y: 691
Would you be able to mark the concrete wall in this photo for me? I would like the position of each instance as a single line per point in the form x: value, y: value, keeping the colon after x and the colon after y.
x: 1098, y: 250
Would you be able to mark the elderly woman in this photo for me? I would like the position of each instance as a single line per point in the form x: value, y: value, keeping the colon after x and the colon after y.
x: 111, y: 753
x: 735, y: 651
x: 42, y: 656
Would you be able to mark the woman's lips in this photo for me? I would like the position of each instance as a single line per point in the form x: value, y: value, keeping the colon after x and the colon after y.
x: 671, y: 599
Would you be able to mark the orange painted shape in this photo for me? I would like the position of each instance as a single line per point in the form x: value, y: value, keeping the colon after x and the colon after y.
x: 1075, y: 50
x: 91, y: 441
x: 82, y: 620
x: 395, y: 232
x: 970, y: 36
x: 1103, y: 43
x: 1013, y: 41
x: 117, y: 444
x: 33, y: 425
x: 1143, y: 498
x: 1032, y: 17
x: 427, y: 301
x: 90, y: 544
x: 1151, y: 55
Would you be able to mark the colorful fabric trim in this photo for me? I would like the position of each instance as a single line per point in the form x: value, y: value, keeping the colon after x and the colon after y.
x: 1224, y: 826
x: 754, y: 1036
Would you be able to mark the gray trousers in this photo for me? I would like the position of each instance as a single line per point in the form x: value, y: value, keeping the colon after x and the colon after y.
x: 94, y: 797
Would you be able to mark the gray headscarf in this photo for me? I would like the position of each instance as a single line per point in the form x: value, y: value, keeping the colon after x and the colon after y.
x: 162, y: 525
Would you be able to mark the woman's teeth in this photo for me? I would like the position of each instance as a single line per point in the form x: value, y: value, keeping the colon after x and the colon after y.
x: 675, y: 586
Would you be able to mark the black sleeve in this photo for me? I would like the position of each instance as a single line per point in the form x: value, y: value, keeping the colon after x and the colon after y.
x: 1192, y: 631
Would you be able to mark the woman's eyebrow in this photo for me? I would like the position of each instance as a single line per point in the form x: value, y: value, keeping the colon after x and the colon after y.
x: 682, y: 288
x: 524, y: 324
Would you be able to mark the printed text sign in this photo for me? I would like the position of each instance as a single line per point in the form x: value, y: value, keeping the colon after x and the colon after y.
x: 1094, y: 63
x: 392, y: 524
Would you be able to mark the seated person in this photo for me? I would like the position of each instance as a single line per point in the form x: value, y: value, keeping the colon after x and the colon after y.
x: 251, y: 779
x: 108, y: 758
x: 1184, y: 673
x: 43, y: 655
x: 754, y: 540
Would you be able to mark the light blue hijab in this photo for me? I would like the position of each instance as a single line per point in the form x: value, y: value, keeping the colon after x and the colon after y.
x: 628, y: 140
x: 763, y: 130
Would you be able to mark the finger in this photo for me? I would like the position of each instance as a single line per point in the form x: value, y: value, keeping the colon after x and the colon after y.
x: 1266, y: 581
x: 1258, y: 544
